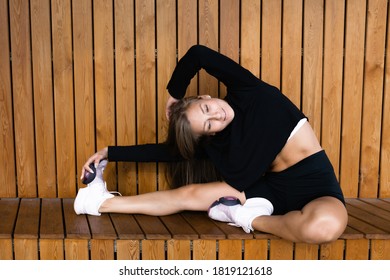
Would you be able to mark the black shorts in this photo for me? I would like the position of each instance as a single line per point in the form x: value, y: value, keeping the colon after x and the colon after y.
x: 294, y: 187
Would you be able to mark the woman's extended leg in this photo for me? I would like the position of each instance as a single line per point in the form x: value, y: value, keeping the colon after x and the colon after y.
x: 320, y: 221
x: 197, y: 197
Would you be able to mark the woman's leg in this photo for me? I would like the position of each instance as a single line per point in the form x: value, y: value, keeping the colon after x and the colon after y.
x: 320, y: 221
x: 196, y: 197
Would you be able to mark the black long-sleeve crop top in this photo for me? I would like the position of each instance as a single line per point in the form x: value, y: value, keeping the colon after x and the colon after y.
x: 243, y: 151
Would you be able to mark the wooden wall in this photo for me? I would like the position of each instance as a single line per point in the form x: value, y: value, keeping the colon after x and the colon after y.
x: 76, y: 76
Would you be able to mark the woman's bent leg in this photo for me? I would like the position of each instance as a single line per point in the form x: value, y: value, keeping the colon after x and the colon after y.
x: 320, y: 221
x: 196, y: 197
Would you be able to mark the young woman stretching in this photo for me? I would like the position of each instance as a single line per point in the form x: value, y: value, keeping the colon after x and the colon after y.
x: 269, y: 172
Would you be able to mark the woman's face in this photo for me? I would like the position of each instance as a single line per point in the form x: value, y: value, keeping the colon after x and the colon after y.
x: 208, y: 116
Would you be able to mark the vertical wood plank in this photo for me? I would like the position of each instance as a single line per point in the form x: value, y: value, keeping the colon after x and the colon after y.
x: 6, y: 252
x: 281, y: 249
x: 76, y: 249
x: 83, y: 82
x: 26, y: 249
x: 208, y: 35
x: 372, y: 97
x: 305, y: 251
x: 229, y: 33
x: 312, y: 62
x: 332, y: 251
x: 230, y: 249
x: 352, y: 96
x: 178, y: 249
x: 271, y: 41
x: 187, y: 25
x: 356, y: 249
x: 256, y: 249
x: 63, y: 97
x: 51, y: 249
x: 208, y: 23
x: 292, y: 50
x: 333, y: 81
x: 102, y: 249
x: 146, y: 88
x: 125, y: 91
x: 250, y: 35
x: 22, y: 97
x: 153, y: 249
x: 380, y: 249
x: 43, y: 97
x: 204, y: 249
x: 127, y: 250
x: 104, y: 81
x: 384, y: 183
x: 166, y: 62
x: 7, y: 152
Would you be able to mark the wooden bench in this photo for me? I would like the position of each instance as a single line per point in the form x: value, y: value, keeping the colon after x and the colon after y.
x: 76, y: 76
x: 48, y: 228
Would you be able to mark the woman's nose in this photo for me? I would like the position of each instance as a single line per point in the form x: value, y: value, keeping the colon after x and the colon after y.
x: 216, y: 115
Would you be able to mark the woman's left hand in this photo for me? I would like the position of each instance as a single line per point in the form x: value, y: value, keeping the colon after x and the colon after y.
x: 171, y: 100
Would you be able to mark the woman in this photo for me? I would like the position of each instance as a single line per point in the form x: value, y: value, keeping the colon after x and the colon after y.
x: 275, y: 176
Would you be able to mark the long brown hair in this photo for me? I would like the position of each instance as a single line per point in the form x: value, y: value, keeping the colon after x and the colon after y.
x: 193, y: 169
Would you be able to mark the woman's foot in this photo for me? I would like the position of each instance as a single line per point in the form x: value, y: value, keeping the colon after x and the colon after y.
x: 90, y: 198
x: 240, y: 215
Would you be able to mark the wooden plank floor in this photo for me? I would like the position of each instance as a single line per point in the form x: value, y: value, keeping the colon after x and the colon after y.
x: 33, y: 228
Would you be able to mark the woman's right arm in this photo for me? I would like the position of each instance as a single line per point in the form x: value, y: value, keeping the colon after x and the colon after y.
x: 143, y: 153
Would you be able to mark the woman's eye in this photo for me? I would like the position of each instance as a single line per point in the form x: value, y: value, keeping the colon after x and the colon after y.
x: 206, y: 108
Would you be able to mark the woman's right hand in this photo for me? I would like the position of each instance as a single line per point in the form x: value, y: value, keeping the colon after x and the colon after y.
x: 95, y: 158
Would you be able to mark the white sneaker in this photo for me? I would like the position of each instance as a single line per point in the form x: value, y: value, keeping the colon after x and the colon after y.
x: 221, y: 209
x: 90, y: 198
x: 241, y: 215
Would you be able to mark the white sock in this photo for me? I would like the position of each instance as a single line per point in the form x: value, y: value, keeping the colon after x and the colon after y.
x: 252, y: 208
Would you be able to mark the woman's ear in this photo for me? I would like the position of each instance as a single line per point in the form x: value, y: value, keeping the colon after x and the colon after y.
x: 204, y: 97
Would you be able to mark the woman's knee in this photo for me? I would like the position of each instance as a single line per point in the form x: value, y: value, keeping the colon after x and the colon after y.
x: 323, y: 230
x: 200, y: 196
x: 325, y: 225
x: 193, y: 197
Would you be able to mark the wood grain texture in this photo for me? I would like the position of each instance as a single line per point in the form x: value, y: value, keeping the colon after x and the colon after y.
x: 22, y: 98
x: 352, y: 97
x: 104, y: 81
x: 292, y: 50
x: 372, y: 98
x: 43, y: 97
x: 146, y: 89
x: 7, y: 140
x: 313, y: 62
x: 333, y: 81
x: 271, y: 41
x: 64, y: 98
x: 83, y: 82
x: 250, y: 35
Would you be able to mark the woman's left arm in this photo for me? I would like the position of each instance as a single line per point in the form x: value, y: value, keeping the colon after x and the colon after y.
x: 216, y: 64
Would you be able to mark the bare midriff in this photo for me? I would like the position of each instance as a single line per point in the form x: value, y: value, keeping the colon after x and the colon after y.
x: 304, y: 143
